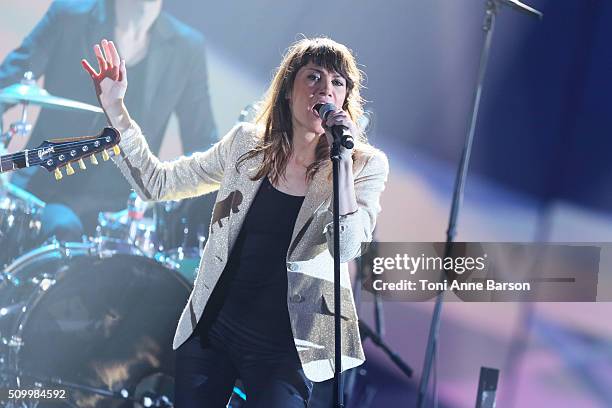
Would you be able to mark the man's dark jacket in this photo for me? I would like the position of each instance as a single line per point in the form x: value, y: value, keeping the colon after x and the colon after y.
x: 174, y: 80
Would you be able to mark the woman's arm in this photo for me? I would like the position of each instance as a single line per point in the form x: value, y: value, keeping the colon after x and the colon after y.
x: 359, y: 210
x: 184, y: 177
x: 152, y: 179
x: 359, y: 197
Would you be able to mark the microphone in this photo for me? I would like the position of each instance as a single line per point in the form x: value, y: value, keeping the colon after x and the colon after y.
x: 338, y: 131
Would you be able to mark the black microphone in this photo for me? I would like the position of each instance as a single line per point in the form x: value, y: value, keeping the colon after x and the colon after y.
x: 338, y: 131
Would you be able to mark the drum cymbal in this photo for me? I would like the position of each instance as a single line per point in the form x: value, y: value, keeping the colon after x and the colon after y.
x: 26, y: 196
x: 34, y: 94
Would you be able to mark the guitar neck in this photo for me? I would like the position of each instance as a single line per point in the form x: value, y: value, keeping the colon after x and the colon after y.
x: 14, y: 161
x: 55, y: 154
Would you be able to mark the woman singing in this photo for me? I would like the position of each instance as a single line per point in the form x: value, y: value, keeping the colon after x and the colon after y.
x: 262, y: 304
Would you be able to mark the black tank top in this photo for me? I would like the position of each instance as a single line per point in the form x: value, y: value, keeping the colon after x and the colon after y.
x: 251, y: 296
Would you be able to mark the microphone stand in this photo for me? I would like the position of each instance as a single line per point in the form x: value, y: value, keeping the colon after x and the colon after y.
x: 338, y: 381
x: 376, y: 334
x: 492, y: 7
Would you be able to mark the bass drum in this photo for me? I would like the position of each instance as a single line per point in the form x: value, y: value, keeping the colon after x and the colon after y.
x: 106, y: 324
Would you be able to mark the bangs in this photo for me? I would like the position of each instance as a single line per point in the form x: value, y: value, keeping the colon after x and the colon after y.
x: 328, y: 57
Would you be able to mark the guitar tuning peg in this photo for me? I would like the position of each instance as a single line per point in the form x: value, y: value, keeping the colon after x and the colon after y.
x: 82, y: 165
x: 69, y: 169
x: 58, y: 174
x: 116, y: 150
x: 94, y: 161
x: 105, y: 155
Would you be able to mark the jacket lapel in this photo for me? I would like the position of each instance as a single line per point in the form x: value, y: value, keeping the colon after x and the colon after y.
x: 247, y: 189
x: 319, y: 190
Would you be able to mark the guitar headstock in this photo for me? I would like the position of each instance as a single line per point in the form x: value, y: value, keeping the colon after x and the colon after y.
x: 56, y: 154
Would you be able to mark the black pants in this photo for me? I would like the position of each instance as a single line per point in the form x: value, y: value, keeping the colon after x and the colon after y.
x: 208, y: 364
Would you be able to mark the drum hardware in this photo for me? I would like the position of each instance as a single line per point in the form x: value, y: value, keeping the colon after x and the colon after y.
x: 10, y: 310
x: 162, y: 215
x: 15, y: 342
x: 28, y: 92
x: 23, y: 195
x: 98, y: 324
x: 63, y: 305
x: 183, y: 260
x: 19, y: 210
x: 63, y: 249
x: 146, y: 229
x: 52, y: 155
x: 117, y: 232
x: 19, y: 221
x: 42, y: 300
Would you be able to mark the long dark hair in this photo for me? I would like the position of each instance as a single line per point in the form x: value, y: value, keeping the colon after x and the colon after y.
x: 274, y: 114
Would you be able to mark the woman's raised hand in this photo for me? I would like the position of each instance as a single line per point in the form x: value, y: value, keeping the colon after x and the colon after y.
x: 111, y: 81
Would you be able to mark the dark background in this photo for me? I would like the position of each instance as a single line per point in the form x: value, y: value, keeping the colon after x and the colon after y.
x: 543, y: 129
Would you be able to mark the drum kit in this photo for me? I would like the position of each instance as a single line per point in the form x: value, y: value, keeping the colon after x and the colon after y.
x: 94, y: 318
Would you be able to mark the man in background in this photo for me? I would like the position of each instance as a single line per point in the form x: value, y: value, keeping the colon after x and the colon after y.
x: 168, y: 63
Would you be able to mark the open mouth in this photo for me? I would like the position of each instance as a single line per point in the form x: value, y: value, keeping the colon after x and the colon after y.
x: 316, y: 111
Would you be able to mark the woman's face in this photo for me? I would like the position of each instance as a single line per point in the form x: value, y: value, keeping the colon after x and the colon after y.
x: 313, y: 85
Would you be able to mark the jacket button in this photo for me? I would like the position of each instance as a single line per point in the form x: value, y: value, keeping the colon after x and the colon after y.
x: 292, y: 266
x: 296, y: 298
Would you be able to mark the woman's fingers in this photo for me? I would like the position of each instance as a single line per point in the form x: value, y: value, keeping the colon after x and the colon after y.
x: 109, y: 62
x: 88, y: 68
x: 336, y: 118
x: 101, y: 61
x: 112, y: 58
x: 107, y: 54
x: 114, y: 55
x: 343, y: 119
